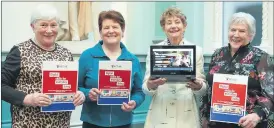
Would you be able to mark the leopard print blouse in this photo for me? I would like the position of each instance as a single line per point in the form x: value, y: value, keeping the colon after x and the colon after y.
x: 22, y: 71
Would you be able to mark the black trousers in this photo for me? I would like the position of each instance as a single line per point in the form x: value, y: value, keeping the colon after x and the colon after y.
x: 88, y: 125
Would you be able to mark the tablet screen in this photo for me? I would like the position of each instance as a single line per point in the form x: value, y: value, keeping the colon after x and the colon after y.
x: 173, y: 60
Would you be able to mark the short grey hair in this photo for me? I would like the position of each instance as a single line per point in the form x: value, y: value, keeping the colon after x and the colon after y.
x: 44, y: 12
x: 244, y: 18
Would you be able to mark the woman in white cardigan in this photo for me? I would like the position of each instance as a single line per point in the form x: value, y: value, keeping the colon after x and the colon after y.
x: 173, y: 104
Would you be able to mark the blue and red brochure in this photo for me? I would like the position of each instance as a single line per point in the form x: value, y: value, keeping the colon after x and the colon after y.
x: 59, y: 82
x: 228, y: 103
x: 114, y: 82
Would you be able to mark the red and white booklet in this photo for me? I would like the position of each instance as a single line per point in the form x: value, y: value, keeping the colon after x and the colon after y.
x: 114, y: 82
x: 59, y: 82
x: 228, y: 102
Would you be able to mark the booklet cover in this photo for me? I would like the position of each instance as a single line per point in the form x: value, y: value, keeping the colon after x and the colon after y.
x: 114, y: 82
x: 59, y: 82
x: 228, y: 103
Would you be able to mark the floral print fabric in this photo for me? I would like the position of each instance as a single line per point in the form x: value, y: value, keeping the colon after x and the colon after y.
x: 259, y: 68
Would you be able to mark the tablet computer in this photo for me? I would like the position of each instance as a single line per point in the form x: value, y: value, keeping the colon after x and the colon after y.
x: 176, y: 63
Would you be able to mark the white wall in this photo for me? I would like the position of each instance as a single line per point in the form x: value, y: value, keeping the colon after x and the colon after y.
x: 16, y: 21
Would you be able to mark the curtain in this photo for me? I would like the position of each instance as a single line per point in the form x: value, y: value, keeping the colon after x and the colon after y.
x: 79, y: 23
x: 84, y: 19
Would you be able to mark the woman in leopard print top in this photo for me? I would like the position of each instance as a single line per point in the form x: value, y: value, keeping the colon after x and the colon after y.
x: 21, y: 74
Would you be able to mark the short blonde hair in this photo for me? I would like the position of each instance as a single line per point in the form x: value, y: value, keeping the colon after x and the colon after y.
x: 44, y: 12
x: 170, y: 12
x: 244, y: 18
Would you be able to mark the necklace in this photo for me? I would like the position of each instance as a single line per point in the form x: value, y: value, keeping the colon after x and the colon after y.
x: 169, y: 43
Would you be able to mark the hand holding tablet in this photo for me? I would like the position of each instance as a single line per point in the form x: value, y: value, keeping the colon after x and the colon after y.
x: 194, y: 84
x: 154, y: 82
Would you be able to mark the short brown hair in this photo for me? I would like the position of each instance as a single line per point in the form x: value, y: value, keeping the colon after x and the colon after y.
x: 113, y: 15
x: 170, y: 12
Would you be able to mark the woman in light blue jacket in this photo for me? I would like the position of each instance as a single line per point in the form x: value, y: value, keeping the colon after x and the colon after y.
x: 111, y: 26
